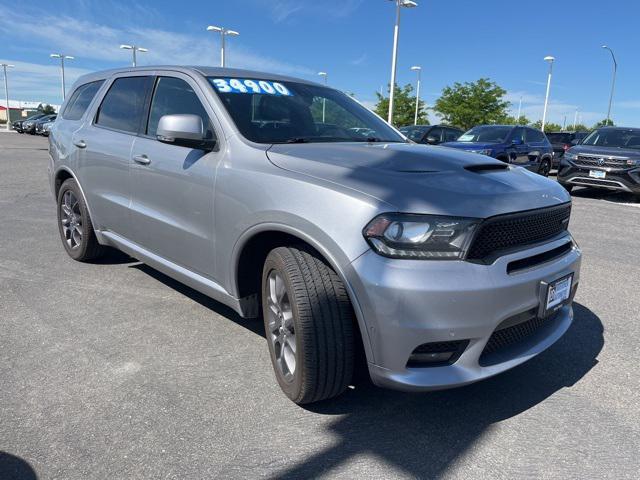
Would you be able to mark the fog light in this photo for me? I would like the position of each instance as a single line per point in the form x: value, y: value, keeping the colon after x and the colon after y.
x: 437, y: 353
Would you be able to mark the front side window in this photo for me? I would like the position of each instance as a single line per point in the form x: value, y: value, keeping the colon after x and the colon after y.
x: 415, y: 133
x: 534, y: 136
x: 123, y: 106
x: 486, y: 133
x: 267, y: 111
x: 80, y: 100
x: 175, y: 96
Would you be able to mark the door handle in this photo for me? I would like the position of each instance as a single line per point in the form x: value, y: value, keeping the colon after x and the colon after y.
x: 80, y: 143
x: 142, y: 159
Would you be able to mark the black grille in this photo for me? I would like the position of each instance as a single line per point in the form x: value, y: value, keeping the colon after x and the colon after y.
x: 512, y: 335
x: 595, y: 161
x: 518, y: 230
x: 456, y: 346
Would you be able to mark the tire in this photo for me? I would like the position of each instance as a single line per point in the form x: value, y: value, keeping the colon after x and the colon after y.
x: 316, y: 318
x: 76, y: 229
x: 545, y: 168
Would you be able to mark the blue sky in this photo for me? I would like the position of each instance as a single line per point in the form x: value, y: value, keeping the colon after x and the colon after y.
x: 453, y: 40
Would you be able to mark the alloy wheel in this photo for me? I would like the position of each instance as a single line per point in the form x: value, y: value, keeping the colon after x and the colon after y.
x: 280, y: 324
x: 71, y: 220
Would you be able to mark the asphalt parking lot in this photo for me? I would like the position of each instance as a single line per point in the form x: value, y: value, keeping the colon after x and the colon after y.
x: 113, y: 370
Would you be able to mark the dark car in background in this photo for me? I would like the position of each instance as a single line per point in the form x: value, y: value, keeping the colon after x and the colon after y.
x: 19, y: 125
x: 29, y: 125
x: 40, y: 124
x: 563, y: 141
x: 520, y: 146
x: 608, y: 158
x: 431, y: 134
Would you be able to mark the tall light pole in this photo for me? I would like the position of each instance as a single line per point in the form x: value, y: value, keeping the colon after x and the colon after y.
x: 613, y: 83
x: 62, y: 58
x: 6, y: 91
x: 134, y: 49
x: 418, y: 70
x: 519, y: 110
x: 394, y: 56
x: 549, y: 59
x: 575, y: 119
x: 223, y: 33
x: 324, y: 100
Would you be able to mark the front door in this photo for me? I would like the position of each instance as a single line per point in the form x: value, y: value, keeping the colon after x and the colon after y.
x: 173, y: 186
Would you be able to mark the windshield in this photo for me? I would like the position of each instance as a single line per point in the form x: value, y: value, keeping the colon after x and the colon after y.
x: 486, y: 134
x: 289, y: 112
x: 414, y: 133
x: 614, y: 138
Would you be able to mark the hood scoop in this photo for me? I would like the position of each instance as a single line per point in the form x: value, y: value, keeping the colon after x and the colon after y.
x: 486, y: 167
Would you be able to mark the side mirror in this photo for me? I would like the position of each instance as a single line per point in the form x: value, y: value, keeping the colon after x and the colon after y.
x: 431, y: 140
x: 184, y: 130
x: 575, y: 142
x: 516, y: 141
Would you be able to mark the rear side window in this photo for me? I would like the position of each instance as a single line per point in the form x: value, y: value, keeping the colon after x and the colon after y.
x: 175, y: 96
x: 123, y: 106
x: 80, y: 100
x: 535, y: 136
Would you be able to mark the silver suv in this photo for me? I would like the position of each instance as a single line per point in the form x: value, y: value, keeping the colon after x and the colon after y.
x: 438, y: 266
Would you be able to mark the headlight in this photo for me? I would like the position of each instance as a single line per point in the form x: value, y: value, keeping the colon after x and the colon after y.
x: 398, y: 235
x: 570, y: 156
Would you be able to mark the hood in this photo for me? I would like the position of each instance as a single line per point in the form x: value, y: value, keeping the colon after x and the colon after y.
x: 470, y: 145
x: 423, y: 179
x: 605, y: 151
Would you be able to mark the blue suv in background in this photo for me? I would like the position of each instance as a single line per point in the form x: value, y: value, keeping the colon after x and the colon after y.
x: 521, y: 146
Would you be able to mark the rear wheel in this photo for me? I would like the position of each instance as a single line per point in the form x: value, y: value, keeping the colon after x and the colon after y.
x: 74, y: 224
x: 309, y: 325
x: 545, y: 168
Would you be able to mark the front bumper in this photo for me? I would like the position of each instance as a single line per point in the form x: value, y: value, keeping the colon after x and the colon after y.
x: 407, y: 303
x: 627, y: 180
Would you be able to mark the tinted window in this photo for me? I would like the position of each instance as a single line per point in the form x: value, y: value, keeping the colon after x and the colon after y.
x: 415, y: 133
x: 614, y: 137
x: 535, y: 136
x: 280, y: 112
x: 175, y: 96
x: 80, y: 100
x: 451, y: 135
x: 435, y: 133
x: 123, y: 105
x: 560, y: 137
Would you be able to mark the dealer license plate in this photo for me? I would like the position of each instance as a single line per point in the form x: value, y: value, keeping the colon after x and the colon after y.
x: 559, y: 291
x: 597, y: 174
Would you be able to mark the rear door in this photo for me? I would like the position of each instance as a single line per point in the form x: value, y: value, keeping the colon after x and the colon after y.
x: 173, y: 186
x: 106, y: 144
x: 537, y: 145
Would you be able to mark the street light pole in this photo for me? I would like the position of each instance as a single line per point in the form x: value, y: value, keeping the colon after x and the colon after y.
x: 394, y: 56
x: 519, y: 110
x: 575, y: 119
x: 418, y: 70
x: 324, y: 100
x: 223, y: 33
x: 613, y: 83
x: 62, y: 58
x: 549, y: 59
x: 134, y: 49
x: 6, y: 91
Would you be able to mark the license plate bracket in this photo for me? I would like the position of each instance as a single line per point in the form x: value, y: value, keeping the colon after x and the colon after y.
x: 555, y: 294
x: 597, y: 173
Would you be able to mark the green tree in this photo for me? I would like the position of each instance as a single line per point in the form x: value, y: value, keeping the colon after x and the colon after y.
x: 548, y: 127
x: 46, y: 109
x: 604, y: 123
x: 511, y: 120
x: 404, y: 107
x: 472, y: 103
x: 580, y: 128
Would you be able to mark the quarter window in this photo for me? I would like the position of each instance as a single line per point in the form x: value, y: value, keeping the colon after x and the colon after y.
x: 175, y: 96
x: 80, y: 100
x: 123, y: 105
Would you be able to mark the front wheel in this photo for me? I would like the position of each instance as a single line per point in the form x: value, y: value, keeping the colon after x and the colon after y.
x: 309, y: 325
x: 545, y: 168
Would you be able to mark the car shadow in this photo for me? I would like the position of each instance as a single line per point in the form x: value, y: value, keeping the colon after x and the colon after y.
x: 424, y: 433
x: 607, y: 195
x: 15, y: 468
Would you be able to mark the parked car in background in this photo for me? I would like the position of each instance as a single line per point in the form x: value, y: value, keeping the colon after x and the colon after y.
x: 608, y: 158
x: 18, y: 126
x: 39, y: 124
x: 46, y: 128
x: 431, y: 134
x: 521, y: 146
x: 442, y: 266
x: 29, y: 126
x: 563, y: 141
